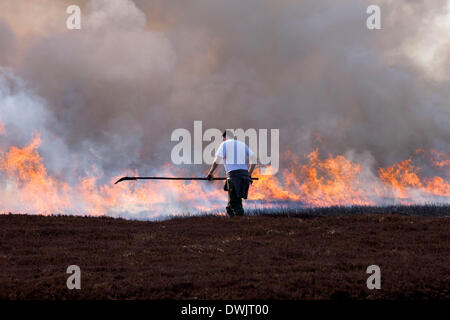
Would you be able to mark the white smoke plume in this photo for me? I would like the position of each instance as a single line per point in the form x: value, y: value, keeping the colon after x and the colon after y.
x: 107, y: 97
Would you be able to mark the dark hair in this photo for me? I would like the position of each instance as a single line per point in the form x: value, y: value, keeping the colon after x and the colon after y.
x: 227, y: 134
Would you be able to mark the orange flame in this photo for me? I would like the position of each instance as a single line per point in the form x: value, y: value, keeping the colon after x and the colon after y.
x: 404, y: 177
x: 26, y: 186
x: 28, y: 183
x: 333, y: 181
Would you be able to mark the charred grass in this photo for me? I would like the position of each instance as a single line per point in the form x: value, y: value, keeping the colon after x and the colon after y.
x: 289, y: 256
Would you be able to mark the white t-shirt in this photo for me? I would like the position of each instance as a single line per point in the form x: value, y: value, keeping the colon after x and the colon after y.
x: 235, y: 155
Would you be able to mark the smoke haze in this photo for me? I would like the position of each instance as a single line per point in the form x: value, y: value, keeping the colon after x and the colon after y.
x: 107, y: 97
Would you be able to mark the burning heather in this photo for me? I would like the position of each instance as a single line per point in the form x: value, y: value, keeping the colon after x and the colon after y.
x: 334, y: 181
x: 363, y: 115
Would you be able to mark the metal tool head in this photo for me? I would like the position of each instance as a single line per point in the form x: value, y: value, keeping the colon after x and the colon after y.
x: 124, y: 179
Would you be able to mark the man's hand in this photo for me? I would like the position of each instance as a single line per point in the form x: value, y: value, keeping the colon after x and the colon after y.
x: 211, y: 171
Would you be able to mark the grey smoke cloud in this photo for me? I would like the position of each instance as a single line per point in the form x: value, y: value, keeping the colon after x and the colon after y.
x: 7, y: 43
x: 115, y: 90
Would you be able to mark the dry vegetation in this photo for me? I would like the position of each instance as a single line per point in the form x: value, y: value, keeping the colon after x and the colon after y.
x: 264, y: 256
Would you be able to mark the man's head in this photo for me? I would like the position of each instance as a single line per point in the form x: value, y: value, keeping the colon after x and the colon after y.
x: 227, y: 134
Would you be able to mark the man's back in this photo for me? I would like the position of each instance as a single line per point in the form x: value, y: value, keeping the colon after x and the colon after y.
x: 235, y: 155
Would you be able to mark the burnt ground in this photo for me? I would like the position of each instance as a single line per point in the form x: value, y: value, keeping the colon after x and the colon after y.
x: 212, y: 257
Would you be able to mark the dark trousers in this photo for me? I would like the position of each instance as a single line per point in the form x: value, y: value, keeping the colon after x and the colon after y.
x: 234, y: 206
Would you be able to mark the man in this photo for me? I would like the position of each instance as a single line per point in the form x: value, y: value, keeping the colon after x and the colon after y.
x: 235, y: 155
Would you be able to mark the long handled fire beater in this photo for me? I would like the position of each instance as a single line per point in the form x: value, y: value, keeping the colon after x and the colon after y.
x: 169, y: 178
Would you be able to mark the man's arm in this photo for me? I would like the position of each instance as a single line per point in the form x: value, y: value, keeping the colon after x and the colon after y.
x: 252, y: 167
x: 211, y: 171
x: 219, y: 154
x: 252, y: 160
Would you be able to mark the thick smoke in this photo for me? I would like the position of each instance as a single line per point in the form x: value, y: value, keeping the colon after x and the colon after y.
x: 113, y: 92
